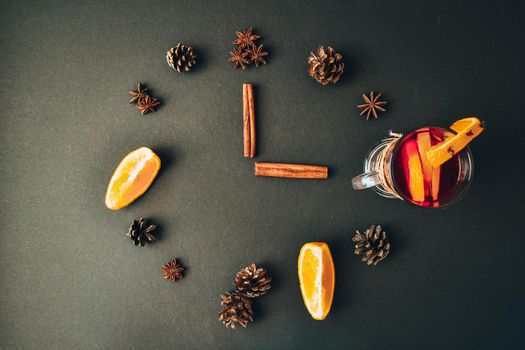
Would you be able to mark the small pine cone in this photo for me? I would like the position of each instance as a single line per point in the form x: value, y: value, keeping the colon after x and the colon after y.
x: 140, y: 232
x: 252, y: 281
x: 373, y: 246
x: 326, y: 66
x: 237, y: 309
x: 181, y: 58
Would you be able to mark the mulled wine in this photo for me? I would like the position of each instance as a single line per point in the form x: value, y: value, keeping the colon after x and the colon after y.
x: 415, y: 179
x: 430, y: 167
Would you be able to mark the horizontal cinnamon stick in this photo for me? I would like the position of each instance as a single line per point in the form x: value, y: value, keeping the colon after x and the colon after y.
x: 293, y: 171
x: 248, y: 120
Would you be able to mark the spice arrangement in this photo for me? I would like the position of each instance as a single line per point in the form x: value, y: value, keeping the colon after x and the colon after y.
x: 425, y: 161
x: 248, y: 51
x: 144, y: 101
x: 250, y: 283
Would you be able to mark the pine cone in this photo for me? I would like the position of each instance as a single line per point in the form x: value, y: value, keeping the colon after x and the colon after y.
x: 373, y: 246
x: 252, y: 281
x: 237, y: 309
x: 181, y: 58
x: 326, y: 66
x: 140, y: 232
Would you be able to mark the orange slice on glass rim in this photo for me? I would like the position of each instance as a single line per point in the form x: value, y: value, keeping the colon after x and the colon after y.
x: 132, y: 178
x: 466, y: 130
x: 316, y: 278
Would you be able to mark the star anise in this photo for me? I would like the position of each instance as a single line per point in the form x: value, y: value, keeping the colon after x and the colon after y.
x: 138, y: 95
x: 172, y: 271
x: 256, y: 54
x: 238, y: 58
x: 372, y: 105
x: 148, y: 104
x: 245, y: 39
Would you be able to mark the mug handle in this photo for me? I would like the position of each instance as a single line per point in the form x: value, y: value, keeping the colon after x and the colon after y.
x: 366, y: 180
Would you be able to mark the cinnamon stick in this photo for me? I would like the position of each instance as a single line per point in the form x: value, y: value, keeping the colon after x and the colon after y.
x: 294, y: 171
x: 252, y: 120
x: 248, y: 120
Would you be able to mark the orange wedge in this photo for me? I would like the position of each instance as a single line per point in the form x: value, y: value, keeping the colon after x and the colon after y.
x: 316, y: 278
x: 466, y: 130
x: 414, y: 171
x: 131, y: 179
x: 430, y: 174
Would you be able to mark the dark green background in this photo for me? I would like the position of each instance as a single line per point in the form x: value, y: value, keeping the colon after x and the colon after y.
x: 71, y: 279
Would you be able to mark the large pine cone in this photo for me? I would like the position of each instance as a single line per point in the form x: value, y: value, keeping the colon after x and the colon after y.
x: 140, y: 231
x: 237, y: 309
x: 181, y: 58
x: 373, y: 246
x: 326, y: 66
x: 252, y: 281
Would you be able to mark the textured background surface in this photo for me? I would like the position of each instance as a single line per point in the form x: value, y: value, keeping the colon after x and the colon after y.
x: 69, y: 277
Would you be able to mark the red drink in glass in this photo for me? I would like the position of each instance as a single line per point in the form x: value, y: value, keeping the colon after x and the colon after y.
x: 398, y: 167
x: 413, y: 176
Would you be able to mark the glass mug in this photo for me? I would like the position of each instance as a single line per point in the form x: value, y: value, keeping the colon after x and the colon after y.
x: 397, y: 167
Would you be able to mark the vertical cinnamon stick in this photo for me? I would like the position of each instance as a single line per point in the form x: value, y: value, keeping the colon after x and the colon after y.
x: 248, y: 120
x: 252, y: 121
x: 294, y: 171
